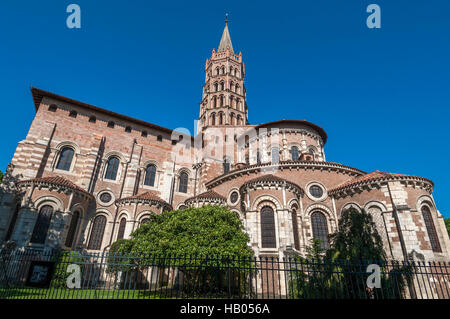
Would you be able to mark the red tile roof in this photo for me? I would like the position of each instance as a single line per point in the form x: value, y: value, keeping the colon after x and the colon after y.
x: 150, y: 196
x: 267, y: 178
x: 208, y: 195
x: 377, y: 175
x: 56, y: 180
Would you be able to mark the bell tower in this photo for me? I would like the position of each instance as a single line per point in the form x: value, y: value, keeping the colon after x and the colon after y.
x: 224, y: 95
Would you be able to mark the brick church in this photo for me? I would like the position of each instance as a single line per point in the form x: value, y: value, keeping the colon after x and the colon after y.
x: 85, y: 177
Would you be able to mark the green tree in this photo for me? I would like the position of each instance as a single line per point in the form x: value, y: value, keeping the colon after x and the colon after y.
x: 206, y: 244
x: 357, y: 239
x: 1, y: 176
x: 341, y: 272
x: 358, y: 244
x: 209, y: 230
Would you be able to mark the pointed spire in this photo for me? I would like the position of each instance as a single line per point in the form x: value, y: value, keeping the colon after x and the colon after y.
x: 226, y: 39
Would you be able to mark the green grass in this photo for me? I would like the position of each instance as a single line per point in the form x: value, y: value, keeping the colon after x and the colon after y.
x: 60, y: 293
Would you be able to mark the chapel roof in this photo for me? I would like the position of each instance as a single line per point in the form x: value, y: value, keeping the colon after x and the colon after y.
x: 377, y: 176
x: 56, y: 180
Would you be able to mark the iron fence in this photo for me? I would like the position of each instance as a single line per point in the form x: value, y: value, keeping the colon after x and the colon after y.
x: 75, y: 275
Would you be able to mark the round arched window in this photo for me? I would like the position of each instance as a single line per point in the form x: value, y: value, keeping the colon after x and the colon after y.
x: 316, y: 191
x: 105, y: 197
x: 234, y: 197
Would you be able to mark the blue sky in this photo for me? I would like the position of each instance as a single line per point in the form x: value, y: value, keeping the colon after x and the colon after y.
x: 382, y: 95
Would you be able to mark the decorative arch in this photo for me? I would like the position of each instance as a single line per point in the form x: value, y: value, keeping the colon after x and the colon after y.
x: 350, y: 204
x: 292, y: 202
x: 78, y: 207
x: 266, y: 200
x: 321, y: 207
x: 53, y: 201
x: 184, y: 169
x: 115, y: 153
x: 425, y: 200
x: 105, y: 212
x: 71, y: 144
x: 374, y: 203
x: 124, y: 213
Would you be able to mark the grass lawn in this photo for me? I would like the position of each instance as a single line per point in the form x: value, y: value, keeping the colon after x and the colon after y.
x: 60, y: 293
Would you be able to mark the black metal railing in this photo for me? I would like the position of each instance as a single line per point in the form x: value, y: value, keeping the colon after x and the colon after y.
x: 74, y: 275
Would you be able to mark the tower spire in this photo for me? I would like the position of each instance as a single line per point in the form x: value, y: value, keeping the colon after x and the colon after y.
x: 226, y: 39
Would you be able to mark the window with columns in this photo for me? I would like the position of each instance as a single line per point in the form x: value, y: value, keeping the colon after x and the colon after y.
x: 65, y: 159
x: 150, y: 175
x: 97, y: 232
x: 320, y: 228
x: 295, y: 155
x: 431, y: 230
x: 112, y: 168
x: 122, y: 225
x: 42, y: 225
x: 183, y: 182
x: 295, y: 228
x: 268, y: 236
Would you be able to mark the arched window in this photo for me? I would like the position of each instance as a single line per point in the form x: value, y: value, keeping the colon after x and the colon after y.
x: 42, y: 224
x: 98, y: 229
x: 112, y: 168
x: 144, y: 220
x: 232, y: 119
x: 258, y: 157
x: 431, y: 230
x: 237, y: 90
x: 183, y: 184
x: 72, y: 229
x: 122, y: 225
x: 311, y: 151
x: 238, y: 120
x: 268, y: 239
x: 295, y: 228
x: 226, y: 165
x: 294, y: 153
x: 220, y: 118
x: 215, y: 101
x: 320, y: 229
x: 213, y: 119
x: 217, y: 71
x: 275, y: 155
x: 222, y: 86
x: 150, y: 174
x: 221, y: 100
x: 222, y: 71
x: 65, y: 159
